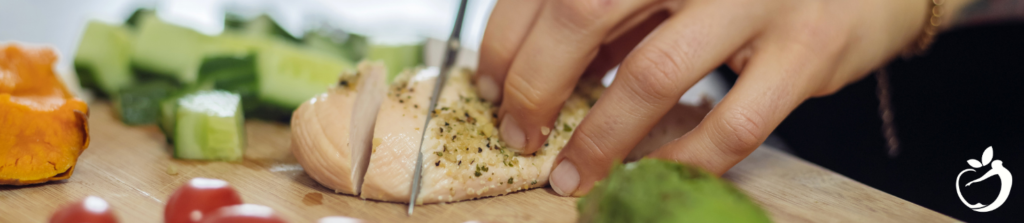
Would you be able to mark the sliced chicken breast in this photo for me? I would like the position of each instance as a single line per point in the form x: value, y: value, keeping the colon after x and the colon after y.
x: 463, y: 155
x: 464, y: 158
x: 330, y: 133
x: 396, y: 139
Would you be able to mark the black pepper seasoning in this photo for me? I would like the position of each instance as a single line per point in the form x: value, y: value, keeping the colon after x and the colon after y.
x: 479, y: 150
x: 438, y: 163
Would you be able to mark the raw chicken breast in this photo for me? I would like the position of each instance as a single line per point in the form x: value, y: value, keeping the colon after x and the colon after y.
x: 331, y: 132
x: 396, y: 139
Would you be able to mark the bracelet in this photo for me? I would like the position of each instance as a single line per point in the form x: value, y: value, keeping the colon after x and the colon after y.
x: 931, y: 28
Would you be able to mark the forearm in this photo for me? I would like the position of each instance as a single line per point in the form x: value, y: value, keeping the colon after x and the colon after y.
x: 961, y: 13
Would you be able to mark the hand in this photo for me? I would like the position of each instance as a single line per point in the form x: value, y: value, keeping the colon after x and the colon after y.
x: 785, y: 51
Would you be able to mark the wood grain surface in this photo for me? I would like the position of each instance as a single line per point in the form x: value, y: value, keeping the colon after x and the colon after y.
x: 132, y: 168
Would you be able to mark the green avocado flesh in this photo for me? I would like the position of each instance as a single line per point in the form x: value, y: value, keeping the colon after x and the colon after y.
x: 652, y: 190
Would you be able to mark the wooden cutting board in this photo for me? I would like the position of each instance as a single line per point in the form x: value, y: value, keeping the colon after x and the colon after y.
x: 132, y: 168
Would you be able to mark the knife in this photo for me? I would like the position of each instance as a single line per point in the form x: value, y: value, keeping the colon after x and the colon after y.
x: 451, y: 50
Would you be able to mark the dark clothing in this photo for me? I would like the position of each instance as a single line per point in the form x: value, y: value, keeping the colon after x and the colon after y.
x: 965, y: 95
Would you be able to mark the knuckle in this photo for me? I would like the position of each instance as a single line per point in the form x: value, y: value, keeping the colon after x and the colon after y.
x: 528, y: 97
x: 740, y: 131
x: 656, y: 73
x: 582, y: 13
x: 504, y: 50
x: 590, y: 143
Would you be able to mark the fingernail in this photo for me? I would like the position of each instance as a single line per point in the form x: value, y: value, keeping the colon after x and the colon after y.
x: 564, y: 179
x: 512, y: 134
x: 488, y: 89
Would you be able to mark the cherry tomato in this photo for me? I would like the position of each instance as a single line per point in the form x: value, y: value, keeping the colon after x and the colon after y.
x: 198, y: 198
x: 243, y: 213
x: 92, y: 209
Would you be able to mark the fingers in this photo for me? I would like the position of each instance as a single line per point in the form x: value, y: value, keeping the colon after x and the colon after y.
x: 649, y: 83
x: 612, y: 54
x: 508, y: 25
x: 776, y: 80
x: 560, y: 45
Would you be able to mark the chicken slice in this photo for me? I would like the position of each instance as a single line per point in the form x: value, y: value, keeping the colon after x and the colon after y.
x: 396, y: 138
x: 331, y: 132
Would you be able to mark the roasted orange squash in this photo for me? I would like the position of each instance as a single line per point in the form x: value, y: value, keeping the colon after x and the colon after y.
x: 43, y: 128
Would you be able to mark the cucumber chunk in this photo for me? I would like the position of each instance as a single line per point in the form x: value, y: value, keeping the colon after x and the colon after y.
x: 396, y: 57
x: 289, y: 75
x: 168, y: 49
x: 263, y: 25
x: 103, y: 58
x: 209, y: 126
x: 336, y: 42
x: 169, y: 107
x: 234, y: 74
x: 139, y: 104
x: 133, y: 20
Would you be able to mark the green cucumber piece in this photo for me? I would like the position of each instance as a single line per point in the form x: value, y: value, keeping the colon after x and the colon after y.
x: 133, y: 20
x: 289, y: 75
x: 169, y: 106
x: 209, y: 125
x: 263, y: 25
x: 103, y: 58
x: 349, y: 46
x: 167, y: 49
x: 396, y: 57
x: 140, y: 104
x: 234, y: 74
x: 234, y: 22
x: 356, y: 47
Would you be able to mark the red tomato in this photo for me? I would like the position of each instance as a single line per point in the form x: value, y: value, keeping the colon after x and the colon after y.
x: 92, y: 209
x: 243, y: 213
x: 198, y: 198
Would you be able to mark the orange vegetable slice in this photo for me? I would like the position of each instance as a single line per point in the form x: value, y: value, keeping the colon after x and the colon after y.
x: 43, y: 128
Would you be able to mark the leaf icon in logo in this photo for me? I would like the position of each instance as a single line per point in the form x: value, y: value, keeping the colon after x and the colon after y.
x: 986, y: 157
x: 974, y: 163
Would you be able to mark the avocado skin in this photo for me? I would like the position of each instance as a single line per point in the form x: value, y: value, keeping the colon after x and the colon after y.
x: 652, y: 190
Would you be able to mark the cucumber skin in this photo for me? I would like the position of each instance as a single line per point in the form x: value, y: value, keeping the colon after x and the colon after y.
x: 168, y: 49
x: 169, y: 108
x: 140, y: 104
x: 201, y: 136
x: 396, y: 57
x: 103, y: 57
x: 235, y: 74
x: 289, y: 75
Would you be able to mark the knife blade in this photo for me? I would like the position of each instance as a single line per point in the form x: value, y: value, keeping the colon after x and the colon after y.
x: 451, y: 51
